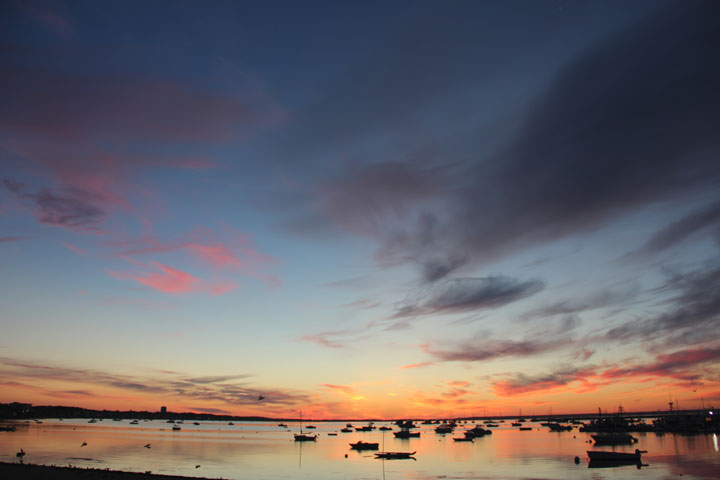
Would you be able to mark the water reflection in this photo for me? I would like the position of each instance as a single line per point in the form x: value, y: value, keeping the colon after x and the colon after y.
x: 264, y: 450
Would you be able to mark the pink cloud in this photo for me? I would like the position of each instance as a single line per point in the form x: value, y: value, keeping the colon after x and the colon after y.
x: 75, y: 249
x: 340, y: 388
x: 418, y: 365
x: 167, y: 280
x: 321, y: 339
x: 238, y: 255
x: 222, y: 287
x: 216, y: 255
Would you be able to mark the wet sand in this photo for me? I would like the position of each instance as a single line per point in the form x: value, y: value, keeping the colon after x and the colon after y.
x: 19, y: 471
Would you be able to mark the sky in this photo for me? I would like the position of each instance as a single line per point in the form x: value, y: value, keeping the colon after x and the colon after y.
x: 360, y: 209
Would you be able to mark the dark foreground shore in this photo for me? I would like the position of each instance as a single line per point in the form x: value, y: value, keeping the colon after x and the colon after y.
x: 19, y: 471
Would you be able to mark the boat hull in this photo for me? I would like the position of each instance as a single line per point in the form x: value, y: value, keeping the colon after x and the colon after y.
x: 614, y: 456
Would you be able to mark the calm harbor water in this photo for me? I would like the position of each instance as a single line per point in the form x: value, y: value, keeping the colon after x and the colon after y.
x: 260, y: 450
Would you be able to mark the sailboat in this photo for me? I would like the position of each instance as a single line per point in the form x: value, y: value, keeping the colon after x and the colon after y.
x: 301, y: 437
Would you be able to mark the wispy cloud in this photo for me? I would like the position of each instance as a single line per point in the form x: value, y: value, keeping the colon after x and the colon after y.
x: 679, y: 230
x: 482, y: 349
x: 326, y: 338
x: 521, y: 383
x: 11, y: 239
x: 470, y: 294
x: 220, y: 388
x: 686, y: 365
x: 167, y: 280
x: 339, y: 388
x: 468, y: 202
x: 71, y: 207
x: 237, y: 255
x: 690, y: 314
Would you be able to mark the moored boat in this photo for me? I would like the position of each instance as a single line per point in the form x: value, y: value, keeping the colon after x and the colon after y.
x: 394, y: 455
x: 364, y: 446
x: 604, y: 456
x: 406, y: 434
x: 613, y: 438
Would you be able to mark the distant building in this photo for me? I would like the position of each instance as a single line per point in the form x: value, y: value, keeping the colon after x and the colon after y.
x: 163, y: 409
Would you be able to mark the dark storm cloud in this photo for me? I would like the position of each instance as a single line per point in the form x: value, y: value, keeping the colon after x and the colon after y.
x: 470, y: 294
x: 625, y: 123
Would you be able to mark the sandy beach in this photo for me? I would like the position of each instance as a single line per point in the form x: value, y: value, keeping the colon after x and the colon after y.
x: 19, y: 471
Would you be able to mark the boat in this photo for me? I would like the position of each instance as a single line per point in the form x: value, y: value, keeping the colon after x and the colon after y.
x: 346, y: 430
x: 405, y: 424
x: 406, y: 434
x: 332, y: 434
x: 516, y: 424
x: 614, y: 438
x: 311, y: 427
x: 556, y: 427
x: 282, y: 425
x: 444, y: 429
x: 385, y: 428
x: 301, y: 437
x: 196, y: 423
x: 464, y: 439
x: 394, y: 455
x: 8, y: 429
x: 525, y: 429
x: 176, y: 428
x: 366, y: 428
x: 477, y: 431
x: 364, y: 446
x: 604, y: 456
x: 134, y: 422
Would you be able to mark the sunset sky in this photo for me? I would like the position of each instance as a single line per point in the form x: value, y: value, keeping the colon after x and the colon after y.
x: 360, y: 208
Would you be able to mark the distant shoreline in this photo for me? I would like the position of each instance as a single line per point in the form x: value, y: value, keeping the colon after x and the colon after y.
x: 18, y: 411
x: 29, y: 471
